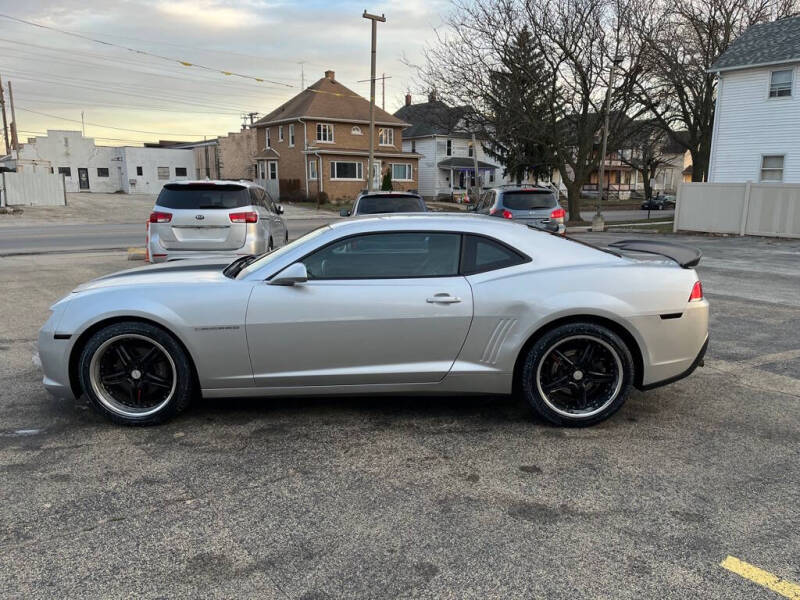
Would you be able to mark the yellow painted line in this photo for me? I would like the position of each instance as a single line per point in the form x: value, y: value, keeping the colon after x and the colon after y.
x: 787, y: 589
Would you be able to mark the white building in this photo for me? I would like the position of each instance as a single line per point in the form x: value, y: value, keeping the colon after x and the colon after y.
x: 447, y: 164
x: 757, y: 121
x: 90, y: 168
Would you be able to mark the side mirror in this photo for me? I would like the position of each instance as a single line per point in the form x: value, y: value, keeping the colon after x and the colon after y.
x: 279, y: 208
x: 291, y: 275
x: 345, y: 212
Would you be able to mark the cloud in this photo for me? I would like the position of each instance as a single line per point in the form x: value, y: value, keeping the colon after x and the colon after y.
x: 210, y: 14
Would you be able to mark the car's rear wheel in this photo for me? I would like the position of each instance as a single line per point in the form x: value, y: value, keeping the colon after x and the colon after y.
x: 136, y: 373
x: 577, y: 374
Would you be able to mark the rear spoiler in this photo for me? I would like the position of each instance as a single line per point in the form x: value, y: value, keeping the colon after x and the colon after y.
x: 686, y: 256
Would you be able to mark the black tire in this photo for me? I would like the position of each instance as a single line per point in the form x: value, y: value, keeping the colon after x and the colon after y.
x: 270, y: 245
x: 286, y: 237
x: 152, y: 385
x: 569, y: 387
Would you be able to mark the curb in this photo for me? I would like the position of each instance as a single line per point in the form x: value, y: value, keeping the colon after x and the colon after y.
x: 137, y: 254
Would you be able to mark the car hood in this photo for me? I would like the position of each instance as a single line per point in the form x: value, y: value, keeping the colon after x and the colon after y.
x: 183, y: 271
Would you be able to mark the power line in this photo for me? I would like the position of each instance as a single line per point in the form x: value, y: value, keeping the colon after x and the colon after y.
x: 146, y: 53
x: 94, y: 137
x: 36, y: 112
x: 42, y: 99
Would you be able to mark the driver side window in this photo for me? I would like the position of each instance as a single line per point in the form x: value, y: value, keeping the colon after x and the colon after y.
x: 387, y: 256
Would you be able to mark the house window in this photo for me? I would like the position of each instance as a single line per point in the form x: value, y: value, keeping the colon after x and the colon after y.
x: 312, y: 169
x: 66, y: 141
x: 262, y: 170
x: 772, y: 168
x: 413, y: 145
x: 385, y: 136
x: 470, y: 150
x: 102, y: 172
x: 163, y: 172
x: 780, y: 84
x: 273, y: 169
x: 347, y: 170
x: 325, y: 133
x: 65, y: 171
x: 491, y: 176
x: 269, y: 143
x: 449, y: 147
x: 291, y: 136
x: 280, y: 133
x: 401, y: 172
x: 356, y: 130
x: 180, y: 171
x: 139, y: 171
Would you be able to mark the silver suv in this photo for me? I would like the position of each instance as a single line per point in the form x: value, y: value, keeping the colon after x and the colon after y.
x: 536, y: 206
x: 373, y: 203
x: 192, y: 219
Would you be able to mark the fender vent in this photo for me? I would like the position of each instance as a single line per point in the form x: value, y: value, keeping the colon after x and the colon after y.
x: 671, y: 316
x: 492, y: 350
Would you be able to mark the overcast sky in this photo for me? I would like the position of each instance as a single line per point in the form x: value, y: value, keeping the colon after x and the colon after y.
x: 61, y: 75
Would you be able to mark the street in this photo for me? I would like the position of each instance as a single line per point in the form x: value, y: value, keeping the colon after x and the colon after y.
x: 424, y: 497
x: 26, y: 239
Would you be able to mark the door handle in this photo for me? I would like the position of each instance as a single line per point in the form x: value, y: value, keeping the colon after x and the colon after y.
x: 443, y: 299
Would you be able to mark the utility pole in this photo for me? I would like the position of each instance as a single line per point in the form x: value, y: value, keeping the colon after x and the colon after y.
x: 475, y: 166
x: 374, y: 19
x: 5, y: 123
x: 383, y: 91
x: 14, y: 138
x: 598, y: 222
x: 83, y: 125
x: 302, y: 76
x: 208, y: 166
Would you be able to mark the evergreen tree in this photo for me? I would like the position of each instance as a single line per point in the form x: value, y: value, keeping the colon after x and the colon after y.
x: 386, y: 185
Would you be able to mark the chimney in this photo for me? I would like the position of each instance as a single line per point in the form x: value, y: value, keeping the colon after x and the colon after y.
x: 432, y: 95
x: 408, y: 99
x: 330, y: 75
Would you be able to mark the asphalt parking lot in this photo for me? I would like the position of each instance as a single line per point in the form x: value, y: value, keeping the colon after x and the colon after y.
x: 413, y: 497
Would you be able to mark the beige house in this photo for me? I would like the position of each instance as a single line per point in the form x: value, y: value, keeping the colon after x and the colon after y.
x: 318, y: 142
x: 227, y: 157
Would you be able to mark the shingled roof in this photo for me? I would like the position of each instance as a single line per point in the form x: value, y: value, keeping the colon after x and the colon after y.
x: 327, y: 99
x: 765, y: 44
x: 432, y: 118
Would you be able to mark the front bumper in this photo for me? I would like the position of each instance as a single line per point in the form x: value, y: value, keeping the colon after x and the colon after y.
x: 54, y: 356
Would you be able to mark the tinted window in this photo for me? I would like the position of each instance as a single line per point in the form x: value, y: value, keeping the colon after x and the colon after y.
x: 482, y: 254
x: 370, y: 205
x: 529, y: 200
x: 387, y: 256
x: 203, y: 196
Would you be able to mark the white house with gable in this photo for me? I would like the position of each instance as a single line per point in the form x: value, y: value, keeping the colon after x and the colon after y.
x: 757, y: 121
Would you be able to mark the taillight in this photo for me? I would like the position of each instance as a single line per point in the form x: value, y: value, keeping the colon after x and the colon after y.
x: 697, y: 292
x: 160, y: 217
x: 558, y: 213
x: 505, y: 214
x: 244, y: 217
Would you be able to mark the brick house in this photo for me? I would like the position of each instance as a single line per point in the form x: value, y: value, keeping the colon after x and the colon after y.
x: 319, y: 142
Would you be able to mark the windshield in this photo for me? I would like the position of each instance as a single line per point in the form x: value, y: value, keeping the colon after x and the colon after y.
x: 370, y: 205
x: 203, y: 195
x: 529, y: 200
x: 283, y: 250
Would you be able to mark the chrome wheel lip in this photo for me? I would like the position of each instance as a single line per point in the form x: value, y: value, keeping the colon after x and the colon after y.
x: 107, y: 399
x: 606, y: 404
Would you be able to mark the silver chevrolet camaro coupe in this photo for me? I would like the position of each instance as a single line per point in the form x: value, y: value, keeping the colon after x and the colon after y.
x: 404, y: 304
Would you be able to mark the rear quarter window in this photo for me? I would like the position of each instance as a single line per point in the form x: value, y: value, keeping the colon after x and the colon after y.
x: 203, y: 196
x: 482, y: 254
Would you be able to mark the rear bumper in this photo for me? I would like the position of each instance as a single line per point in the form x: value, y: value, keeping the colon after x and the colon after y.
x: 697, y: 362
x: 160, y: 254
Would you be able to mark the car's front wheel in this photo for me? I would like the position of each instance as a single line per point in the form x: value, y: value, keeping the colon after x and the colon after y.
x: 136, y: 373
x: 577, y: 374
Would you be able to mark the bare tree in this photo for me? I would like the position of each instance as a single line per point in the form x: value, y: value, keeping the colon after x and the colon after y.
x: 683, y: 38
x: 574, y: 43
x: 647, y: 151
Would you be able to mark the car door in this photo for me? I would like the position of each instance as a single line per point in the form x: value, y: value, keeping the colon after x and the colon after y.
x: 277, y: 222
x: 383, y: 308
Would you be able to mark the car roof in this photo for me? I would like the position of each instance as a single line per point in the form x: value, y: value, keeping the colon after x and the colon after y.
x: 523, y: 188
x: 389, y: 193
x: 221, y: 182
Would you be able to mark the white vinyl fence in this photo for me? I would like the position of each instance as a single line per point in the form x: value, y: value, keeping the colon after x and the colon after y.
x: 771, y: 209
x: 32, y: 189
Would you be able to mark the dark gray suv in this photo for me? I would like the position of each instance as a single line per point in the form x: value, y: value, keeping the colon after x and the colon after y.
x: 533, y: 205
x: 373, y: 203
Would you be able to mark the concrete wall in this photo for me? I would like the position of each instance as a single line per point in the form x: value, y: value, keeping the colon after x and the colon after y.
x: 150, y: 159
x: 31, y: 188
x: 749, y: 124
x: 237, y: 150
x: 739, y: 208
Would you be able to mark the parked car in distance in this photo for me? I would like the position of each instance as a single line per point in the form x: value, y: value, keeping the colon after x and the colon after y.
x: 659, y: 202
x: 193, y: 219
x: 373, y: 203
x: 418, y: 304
x: 533, y: 205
